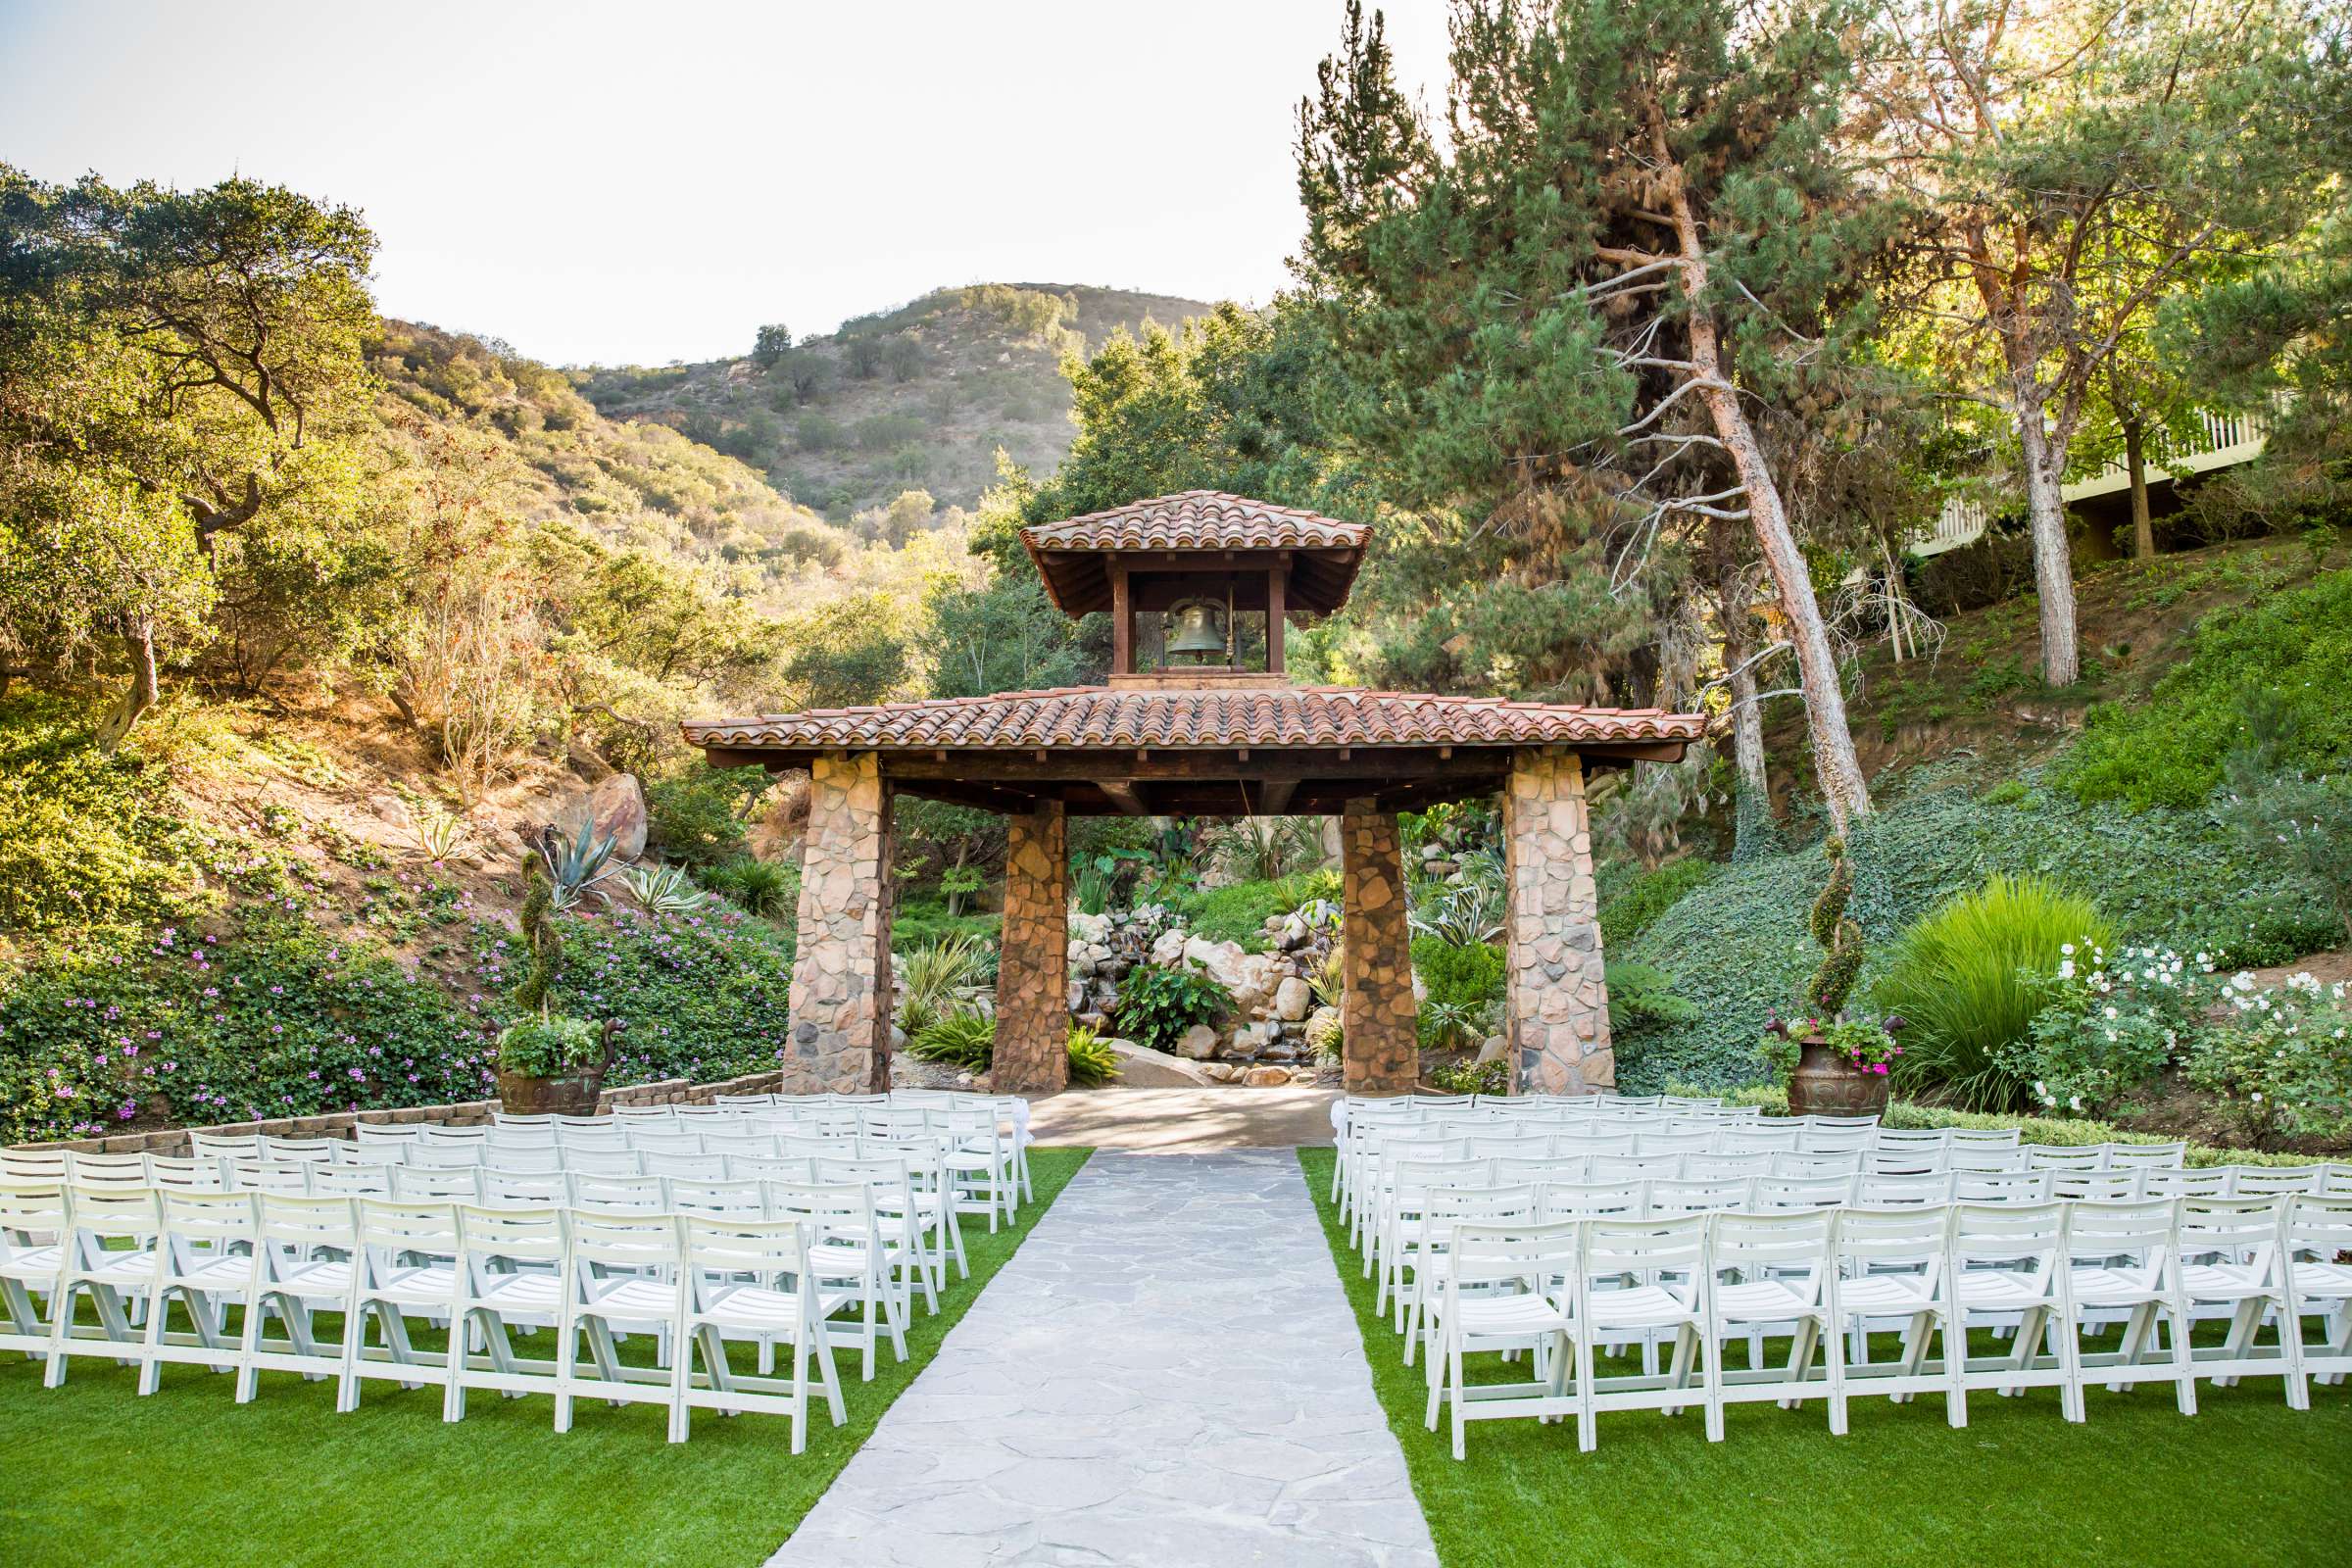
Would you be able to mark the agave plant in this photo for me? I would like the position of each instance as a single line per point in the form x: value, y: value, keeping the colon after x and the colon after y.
x: 440, y: 836
x: 1463, y: 915
x: 664, y: 889
x: 575, y: 863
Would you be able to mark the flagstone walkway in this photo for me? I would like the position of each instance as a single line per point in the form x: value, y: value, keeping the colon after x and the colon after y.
x: 1165, y: 1374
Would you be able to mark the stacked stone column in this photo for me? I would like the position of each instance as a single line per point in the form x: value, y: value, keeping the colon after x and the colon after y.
x: 1380, y: 1043
x: 1555, y: 999
x: 841, y: 987
x: 1033, y: 965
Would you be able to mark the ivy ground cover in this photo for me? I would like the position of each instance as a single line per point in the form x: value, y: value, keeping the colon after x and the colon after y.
x: 2246, y: 1483
x: 94, y: 1475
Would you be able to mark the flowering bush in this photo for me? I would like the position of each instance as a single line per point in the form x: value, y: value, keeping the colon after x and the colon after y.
x: 2109, y: 1024
x: 2281, y: 1061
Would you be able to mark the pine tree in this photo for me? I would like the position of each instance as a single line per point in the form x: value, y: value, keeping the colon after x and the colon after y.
x: 1560, y: 321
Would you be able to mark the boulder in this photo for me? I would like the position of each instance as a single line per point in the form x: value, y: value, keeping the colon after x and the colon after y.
x: 1219, y: 1072
x: 1265, y: 1077
x: 1199, y: 1043
x: 1492, y: 1049
x: 1087, y: 928
x: 613, y: 807
x: 1168, y: 949
x: 1141, y: 1068
x: 1292, y: 999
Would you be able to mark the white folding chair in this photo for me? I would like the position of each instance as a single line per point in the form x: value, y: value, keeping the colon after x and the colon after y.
x: 524, y: 1188
x: 2123, y: 1262
x: 1776, y: 1192
x: 1645, y: 1278
x: 1770, y: 1274
x: 207, y: 1254
x: 2001, y: 1186
x: 1901, y: 1191
x: 307, y: 1245
x: 1891, y: 1270
x: 406, y: 1266
x: 637, y: 1194
x: 2232, y: 1265
x: 614, y: 1162
x: 2319, y: 1280
x: 464, y: 1155
x: 455, y: 1183
x: 621, y: 1275
x: 752, y: 1279
x: 106, y: 1170
x: 2007, y: 1260
x: 510, y: 1277
x: 33, y: 1232
x: 848, y: 1254
x: 217, y: 1146
x: 1508, y: 1288
x: 352, y: 1181
x: 108, y: 1253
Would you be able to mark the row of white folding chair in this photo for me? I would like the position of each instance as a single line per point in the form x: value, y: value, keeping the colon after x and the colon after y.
x: 1560, y: 1288
x: 697, y: 1279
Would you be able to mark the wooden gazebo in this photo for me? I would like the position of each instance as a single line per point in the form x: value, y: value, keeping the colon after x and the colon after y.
x: 1213, y: 578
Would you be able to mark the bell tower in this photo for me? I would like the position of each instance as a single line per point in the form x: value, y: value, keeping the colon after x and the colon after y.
x: 1200, y: 587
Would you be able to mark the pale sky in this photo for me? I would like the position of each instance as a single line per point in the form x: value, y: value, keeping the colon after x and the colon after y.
x: 597, y: 182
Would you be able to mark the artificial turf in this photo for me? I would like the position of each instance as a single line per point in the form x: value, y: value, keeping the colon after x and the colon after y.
x: 91, y: 1475
x: 2244, y: 1481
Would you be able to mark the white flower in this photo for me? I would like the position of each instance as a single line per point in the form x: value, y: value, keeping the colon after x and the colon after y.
x: 2257, y: 1099
x: 2111, y: 1012
x: 2065, y: 969
x: 2074, y: 1101
x: 2066, y: 948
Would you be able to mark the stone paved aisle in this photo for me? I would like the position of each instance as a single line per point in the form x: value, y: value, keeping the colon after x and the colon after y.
x: 1165, y: 1374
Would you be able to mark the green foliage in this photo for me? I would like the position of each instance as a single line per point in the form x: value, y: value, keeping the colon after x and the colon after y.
x: 1472, y: 1078
x: 574, y: 862
x: 1458, y: 971
x: 1838, y: 937
x: 1268, y: 849
x: 663, y: 890
x: 1158, y: 1004
x: 1650, y: 895
x: 2109, y: 1026
x: 1963, y: 977
x: 938, y: 978
x: 85, y: 839
x: 1326, y: 1035
x: 1643, y: 996
x: 2281, y: 1061
x: 766, y: 888
x: 2169, y: 750
x: 920, y: 922
x: 1239, y: 911
x: 963, y: 1040
x: 1738, y: 950
x: 696, y: 815
x: 1093, y: 1063
x: 699, y: 996
x: 550, y: 1047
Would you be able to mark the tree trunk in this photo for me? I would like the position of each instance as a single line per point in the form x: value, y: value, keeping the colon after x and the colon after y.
x: 2136, y: 465
x: 1842, y: 787
x: 2053, y: 561
x: 1748, y: 716
x: 146, y: 687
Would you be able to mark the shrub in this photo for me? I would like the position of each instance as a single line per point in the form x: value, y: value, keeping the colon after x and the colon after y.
x: 1650, y: 895
x: 1963, y: 978
x: 85, y: 839
x: 919, y: 923
x: 2168, y: 750
x: 1156, y: 1005
x: 550, y: 1047
x: 696, y: 815
x: 2281, y: 1060
x: 1239, y: 911
x: 1455, y: 973
x: 759, y: 887
x: 1472, y: 1078
x: 1326, y: 1036
x: 937, y: 978
x: 1093, y: 1063
x: 2109, y: 1026
x: 965, y: 1040
x: 1642, y: 994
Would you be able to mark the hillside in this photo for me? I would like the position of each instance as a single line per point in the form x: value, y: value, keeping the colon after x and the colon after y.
x: 917, y: 398
x: 630, y: 485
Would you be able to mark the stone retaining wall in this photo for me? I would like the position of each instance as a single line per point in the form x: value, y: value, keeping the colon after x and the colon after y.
x: 466, y: 1113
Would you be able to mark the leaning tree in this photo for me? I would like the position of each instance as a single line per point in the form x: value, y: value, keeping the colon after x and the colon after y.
x: 1569, y: 312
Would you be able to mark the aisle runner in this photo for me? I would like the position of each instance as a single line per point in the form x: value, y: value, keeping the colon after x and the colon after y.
x: 1166, y: 1374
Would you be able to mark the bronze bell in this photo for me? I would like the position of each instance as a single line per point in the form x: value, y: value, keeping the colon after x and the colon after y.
x: 1197, y: 627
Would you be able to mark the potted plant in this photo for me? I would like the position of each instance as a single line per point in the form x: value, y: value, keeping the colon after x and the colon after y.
x: 548, y: 1061
x: 1843, y: 1064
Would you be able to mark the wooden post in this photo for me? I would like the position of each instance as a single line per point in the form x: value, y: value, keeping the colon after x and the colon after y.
x: 1123, y: 622
x: 1276, y: 579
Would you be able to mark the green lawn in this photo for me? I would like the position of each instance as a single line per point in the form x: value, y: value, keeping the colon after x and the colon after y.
x: 92, y: 1475
x: 2244, y: 1481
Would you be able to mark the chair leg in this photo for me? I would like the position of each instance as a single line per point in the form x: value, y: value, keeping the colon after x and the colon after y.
x: 681, y: 1378
x: 1710, y: 1350
x: 1955, y: 1357
x: 1832, y: 1347
x: 151, y: 1362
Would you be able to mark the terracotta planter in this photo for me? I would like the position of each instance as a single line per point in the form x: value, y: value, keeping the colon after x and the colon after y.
x: 1827, y: 1084
x: 572, y: 1095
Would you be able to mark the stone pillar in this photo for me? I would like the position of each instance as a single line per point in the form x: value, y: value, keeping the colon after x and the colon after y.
x: 1380, y: 1045
x: 1554, y: 998
x: 841, y: 990
x: 1033, y: 961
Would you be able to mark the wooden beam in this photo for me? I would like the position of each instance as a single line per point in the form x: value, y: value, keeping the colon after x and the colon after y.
x: 1122, y: 794
x: 1274, y: 796
x: 1276, y: 579
x: 959, y: 791
x: 1122, y: 620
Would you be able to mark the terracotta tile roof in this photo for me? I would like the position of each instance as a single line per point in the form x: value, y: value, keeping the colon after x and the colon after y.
x: 1199, y: 519
x: 1094, y: 717
x: 1070, y: 554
